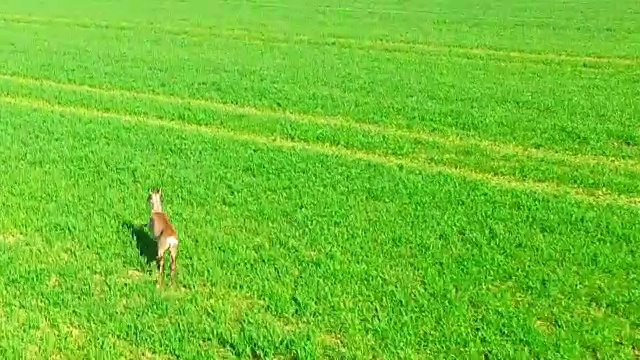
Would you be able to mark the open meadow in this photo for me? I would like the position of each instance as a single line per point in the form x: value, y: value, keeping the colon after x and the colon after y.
x: 375, y: 179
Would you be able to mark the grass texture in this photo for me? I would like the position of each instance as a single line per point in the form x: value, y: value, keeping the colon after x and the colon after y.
x: 374, y: 180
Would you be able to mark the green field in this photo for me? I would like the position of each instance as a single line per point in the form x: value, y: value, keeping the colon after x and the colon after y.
x: 350, y: 180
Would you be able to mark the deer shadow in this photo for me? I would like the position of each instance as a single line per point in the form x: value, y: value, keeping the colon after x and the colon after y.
x: 147, y: 246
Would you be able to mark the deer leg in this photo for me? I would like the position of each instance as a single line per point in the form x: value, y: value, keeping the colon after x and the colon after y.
x: 160, y: 261
x: 173, y: 252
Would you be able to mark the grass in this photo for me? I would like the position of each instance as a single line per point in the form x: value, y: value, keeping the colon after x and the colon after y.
x: 362, y: 181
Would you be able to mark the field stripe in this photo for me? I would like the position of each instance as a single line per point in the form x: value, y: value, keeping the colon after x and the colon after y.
x: 414, y: 11
x: 387, y: 11
x: 337, y: 121
x: 396, y: 11
x: 380, y: 45
x: 600, y: 197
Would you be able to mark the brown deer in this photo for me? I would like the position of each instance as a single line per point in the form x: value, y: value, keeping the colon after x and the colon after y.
x: 164, y: 233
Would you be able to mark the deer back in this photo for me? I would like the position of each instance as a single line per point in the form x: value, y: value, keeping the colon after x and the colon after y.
x: 160, y: 225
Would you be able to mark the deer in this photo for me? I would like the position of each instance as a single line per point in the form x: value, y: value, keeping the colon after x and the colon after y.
x: 164, y: 233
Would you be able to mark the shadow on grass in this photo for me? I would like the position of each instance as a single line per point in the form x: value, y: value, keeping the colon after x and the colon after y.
x: 147, y: 247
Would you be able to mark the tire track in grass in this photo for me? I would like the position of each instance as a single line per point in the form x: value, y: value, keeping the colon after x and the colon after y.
x: 599, y: 197
x: 594, y: 177
x: 388, y: 11
x: 385, y: 11
x: 338, y: 121
x: 359, y: 9
x: 399, y: 46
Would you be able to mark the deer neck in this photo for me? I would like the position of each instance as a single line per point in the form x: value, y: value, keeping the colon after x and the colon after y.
x: 157, y: 208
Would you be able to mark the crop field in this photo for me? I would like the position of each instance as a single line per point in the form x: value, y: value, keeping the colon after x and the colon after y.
x: 375, y: 179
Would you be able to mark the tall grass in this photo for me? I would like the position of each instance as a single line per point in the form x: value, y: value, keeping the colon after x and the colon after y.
x: 362, y: 181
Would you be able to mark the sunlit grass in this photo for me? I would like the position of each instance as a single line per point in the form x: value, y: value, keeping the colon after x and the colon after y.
x: 438, y: 194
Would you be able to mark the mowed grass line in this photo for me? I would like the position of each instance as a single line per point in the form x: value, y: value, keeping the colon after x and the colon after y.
x: 273, y: 38
x: 535, y: 106
x: 603, y: 177
x: 592, y: 64
x: 505, y: 181
x: 406, y: 10
x: 340, y: 121
x: 383, y: 262
x: 580, y: 25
